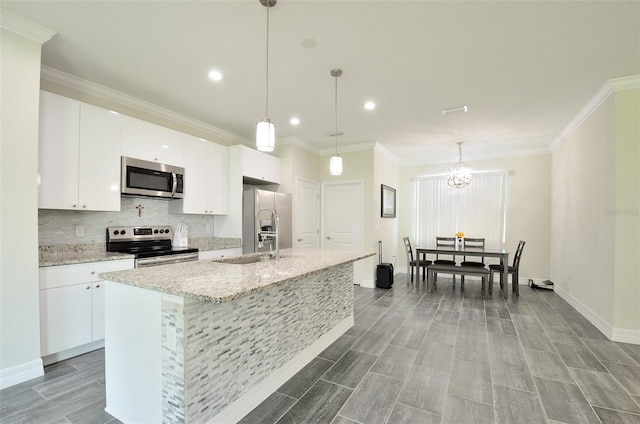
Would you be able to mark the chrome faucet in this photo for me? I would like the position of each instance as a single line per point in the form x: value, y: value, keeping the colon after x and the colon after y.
x: 273, y: 234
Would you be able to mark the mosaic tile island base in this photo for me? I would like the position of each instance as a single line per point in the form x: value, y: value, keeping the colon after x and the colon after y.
x: 207, y: 341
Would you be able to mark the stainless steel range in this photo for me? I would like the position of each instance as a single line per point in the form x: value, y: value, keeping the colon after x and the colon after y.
x: 150, y: 245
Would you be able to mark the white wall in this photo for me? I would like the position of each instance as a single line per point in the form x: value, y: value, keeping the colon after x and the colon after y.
x: 358, y: 166
x: 528, y: 206
x: 595, y: 216
x: 386, y: 171
x: 19, y: 296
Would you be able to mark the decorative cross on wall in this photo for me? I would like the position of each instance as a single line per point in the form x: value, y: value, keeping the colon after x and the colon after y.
x: 140, y: 207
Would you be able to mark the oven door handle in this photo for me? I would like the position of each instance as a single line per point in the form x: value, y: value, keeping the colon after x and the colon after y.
x: 163, y: 260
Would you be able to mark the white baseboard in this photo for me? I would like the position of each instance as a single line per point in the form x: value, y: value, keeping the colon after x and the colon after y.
x: 626, y: 336
x: 70, y: 353
x: 245, y: 404
x: 614, y: 334
x: 368, y: 284
x: 21, y: 373
x: 595, y: 319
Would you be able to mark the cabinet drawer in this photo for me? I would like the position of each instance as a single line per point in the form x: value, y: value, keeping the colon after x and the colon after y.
x: 67, y: 275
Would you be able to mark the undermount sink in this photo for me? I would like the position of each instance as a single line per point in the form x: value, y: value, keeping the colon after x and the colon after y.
x: 249, y: 260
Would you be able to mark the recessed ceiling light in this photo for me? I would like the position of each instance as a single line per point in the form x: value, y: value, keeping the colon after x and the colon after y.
x: 369, y: 105
x: 294, y: 121
x: 216, y: 75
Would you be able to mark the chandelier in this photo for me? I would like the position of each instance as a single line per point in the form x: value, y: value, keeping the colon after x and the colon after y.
x: 459, y: 174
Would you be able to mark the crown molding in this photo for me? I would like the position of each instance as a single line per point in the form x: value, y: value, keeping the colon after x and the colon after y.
x: 346, y: 148
x: 25, y: 27
x: 609, y: 87
x: 68, y: 80
x: 295, y: 141
x: 385, y: 152
x: 625, y: 83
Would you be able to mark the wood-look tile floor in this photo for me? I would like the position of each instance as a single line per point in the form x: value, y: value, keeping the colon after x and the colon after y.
x: 413, y: 357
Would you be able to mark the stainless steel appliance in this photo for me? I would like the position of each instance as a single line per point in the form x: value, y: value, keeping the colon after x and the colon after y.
x: 144, y: 178
x: 260, y: 208
x: 150, y: 245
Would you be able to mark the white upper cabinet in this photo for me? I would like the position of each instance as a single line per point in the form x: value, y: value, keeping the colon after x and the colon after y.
x: 147, y: 141
x: 99, y: 164
x: 260, y: 166
x: 58, y: 150
x: 78, y: 156
x: 206, y: 167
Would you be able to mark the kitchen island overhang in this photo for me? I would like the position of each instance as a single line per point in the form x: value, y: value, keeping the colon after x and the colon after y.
x: 208, y: 341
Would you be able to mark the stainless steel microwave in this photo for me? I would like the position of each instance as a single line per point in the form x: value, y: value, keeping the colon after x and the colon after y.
x: 144, y: 178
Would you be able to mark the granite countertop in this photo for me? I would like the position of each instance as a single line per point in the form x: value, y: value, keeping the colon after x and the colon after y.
x: 69, y: 254
x: 220, y: 281
x: 79, y: 257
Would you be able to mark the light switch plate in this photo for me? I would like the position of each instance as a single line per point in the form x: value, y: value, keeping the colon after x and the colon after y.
x: 79, y: 230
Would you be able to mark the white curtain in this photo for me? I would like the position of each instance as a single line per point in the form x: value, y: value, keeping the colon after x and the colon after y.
x: 478, y: 210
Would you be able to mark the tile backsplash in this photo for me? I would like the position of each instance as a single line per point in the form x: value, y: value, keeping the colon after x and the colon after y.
x: 59, y: 226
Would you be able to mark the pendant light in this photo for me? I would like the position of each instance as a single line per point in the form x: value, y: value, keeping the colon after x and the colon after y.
x: 266, y: 130
x: 335, y: 163
x: 459, y: 174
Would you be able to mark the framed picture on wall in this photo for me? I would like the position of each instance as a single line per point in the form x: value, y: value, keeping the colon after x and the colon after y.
x: 387, y: 201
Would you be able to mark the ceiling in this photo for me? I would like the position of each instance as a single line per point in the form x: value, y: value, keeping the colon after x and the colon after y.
x: 523, y: 68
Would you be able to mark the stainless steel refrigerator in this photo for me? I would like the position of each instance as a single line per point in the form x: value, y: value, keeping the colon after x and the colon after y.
x: 265, y: 201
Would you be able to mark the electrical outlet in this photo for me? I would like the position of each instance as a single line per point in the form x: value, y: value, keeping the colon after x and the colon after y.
x: 208, y: 228
x: 79, y: 230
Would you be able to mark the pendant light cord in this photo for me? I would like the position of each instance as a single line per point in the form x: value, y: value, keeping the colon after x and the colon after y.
x: 266, y: 83
x: 336, y: 112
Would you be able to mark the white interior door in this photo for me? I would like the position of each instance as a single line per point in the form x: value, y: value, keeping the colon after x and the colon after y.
x: 342, y: 219
x: 307, y: 233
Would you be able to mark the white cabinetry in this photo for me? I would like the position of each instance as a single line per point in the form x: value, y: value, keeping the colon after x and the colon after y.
x: 206, y: 167
x: 259, y: 166
x: 219, y: 253
x: 147, y: 141
x: 78, y: 156
x: 72, y: 304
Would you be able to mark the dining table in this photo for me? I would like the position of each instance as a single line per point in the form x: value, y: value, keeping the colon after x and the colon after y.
x: 454, y: 251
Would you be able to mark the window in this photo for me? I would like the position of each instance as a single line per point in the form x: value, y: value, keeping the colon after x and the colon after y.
x: 477, y: 210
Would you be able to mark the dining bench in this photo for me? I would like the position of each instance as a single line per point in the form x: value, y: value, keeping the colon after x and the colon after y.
x: 459, y: 270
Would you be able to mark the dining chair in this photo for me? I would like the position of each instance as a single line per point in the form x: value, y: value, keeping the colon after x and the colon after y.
x: 512, y: 270
x: 472, y: 243
x: 446, y: 242
x: 411, y: 262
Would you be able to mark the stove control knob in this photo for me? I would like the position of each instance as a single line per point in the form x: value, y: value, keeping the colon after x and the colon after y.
x: 161, y: 231
x: 167, y: 231
x: 116, y: 232
x: 123, y: 232
x: 155, y: 231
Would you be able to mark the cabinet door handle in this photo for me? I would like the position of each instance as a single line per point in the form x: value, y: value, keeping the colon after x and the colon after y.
x: 328, y: 238
x: 97, y: 286
x: 93, y: 272
x: 74, y: 206
x: 84, y: 206
x: 88, y: 288
x: 300, y: 239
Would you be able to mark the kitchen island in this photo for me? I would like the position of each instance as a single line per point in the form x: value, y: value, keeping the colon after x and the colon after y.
x: 207, y: 341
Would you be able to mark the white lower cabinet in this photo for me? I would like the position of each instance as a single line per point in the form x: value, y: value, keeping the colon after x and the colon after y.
x: 65, y: 318
x: 72, y: 305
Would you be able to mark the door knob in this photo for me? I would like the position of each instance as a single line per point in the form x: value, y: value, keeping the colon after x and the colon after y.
x: 328, y: 238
